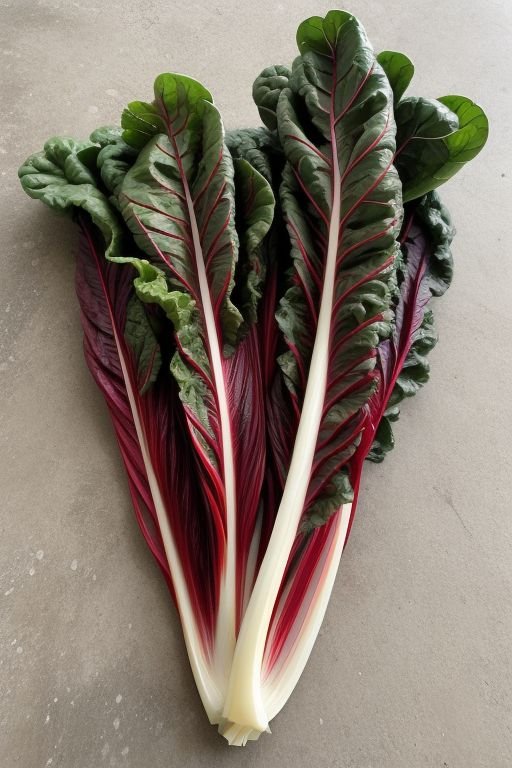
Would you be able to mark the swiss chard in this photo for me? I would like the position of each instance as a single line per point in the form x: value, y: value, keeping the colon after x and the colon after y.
x: 255, y: 307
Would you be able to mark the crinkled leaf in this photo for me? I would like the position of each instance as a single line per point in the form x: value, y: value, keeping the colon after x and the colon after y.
x: 254, y: 214
x: 114, y: 159
x: 438, y: 222
x: 143, y: 344
x: 178, y: 200
x: 259, y: 147
x: 427, y: 270
x: 338, y: 491
x: 345, y: 96
x: 58, y: 178
x: 266, y: 90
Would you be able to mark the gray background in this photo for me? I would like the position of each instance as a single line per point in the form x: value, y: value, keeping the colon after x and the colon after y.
x: 413, y: 665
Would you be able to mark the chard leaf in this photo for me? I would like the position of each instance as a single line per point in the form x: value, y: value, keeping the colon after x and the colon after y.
x: 156, y: 452
x: 104, y: 291
x: 254, y: 214
x: 261, y: 148
x: 265, y: 92
x: 106, y: 134
x: 178, y: 199
x: 383, y: 442
x: 124, y: 356
x: 427, y: 268
x: 59, y: 178
x: 142, y: 121
x: 399, y: 70
x: 435, y: 138
x: 437, y: 222
x: 114, y: 159
x: 341, y: 198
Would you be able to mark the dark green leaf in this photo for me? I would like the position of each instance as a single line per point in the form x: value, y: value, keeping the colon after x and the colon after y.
x: 59, y: 178
x: 254, y: 212
x: 341, y: 200
x: 265, y: 92
x: 143, y: 344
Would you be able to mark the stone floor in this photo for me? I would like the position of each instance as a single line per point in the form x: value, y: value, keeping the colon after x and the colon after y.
x: 413, y: 666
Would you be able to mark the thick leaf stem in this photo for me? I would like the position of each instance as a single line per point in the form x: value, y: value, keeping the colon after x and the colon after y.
x: 226, y: 617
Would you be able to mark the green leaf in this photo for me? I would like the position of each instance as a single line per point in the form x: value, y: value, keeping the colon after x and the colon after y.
x: 140, y: 121
x: 339, y: 491
x: 341, y: 200
x: 435, y: 138
x: 384, y: 441
x: 399, y: 70
x: 254, y: 202
x: 114, y: 160
x: 106, y: 134
x: 162, y: 215
x: 265, y: 92
x: 143, y: 343
x: 435, y: 215
x: 59, y: 178
x: 181, y: 310
x: 178, y: 200
x: 320, y: 35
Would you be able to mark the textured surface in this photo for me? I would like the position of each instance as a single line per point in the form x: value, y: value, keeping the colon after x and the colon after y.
x: 413, y: 666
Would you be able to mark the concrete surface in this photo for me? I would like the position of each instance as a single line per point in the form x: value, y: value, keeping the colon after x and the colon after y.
x: 414, y: 664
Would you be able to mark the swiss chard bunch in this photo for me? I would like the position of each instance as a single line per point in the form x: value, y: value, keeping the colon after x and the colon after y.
x: 255, y: 306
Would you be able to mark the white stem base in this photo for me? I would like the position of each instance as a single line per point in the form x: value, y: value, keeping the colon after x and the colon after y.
x: 278, y: 688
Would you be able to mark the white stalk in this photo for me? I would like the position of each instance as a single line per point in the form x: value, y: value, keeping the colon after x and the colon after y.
x: 209, y: 689
x: 244, y: 712
x: 226, y: 617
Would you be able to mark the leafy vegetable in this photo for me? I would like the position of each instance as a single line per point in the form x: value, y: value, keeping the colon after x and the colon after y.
x: 256, y: 305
